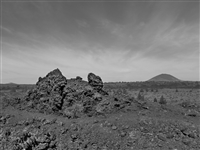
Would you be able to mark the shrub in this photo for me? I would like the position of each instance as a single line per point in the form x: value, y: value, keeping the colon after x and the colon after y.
x: 162, y: 100
x: 140, y: 97
x: 155, y: 100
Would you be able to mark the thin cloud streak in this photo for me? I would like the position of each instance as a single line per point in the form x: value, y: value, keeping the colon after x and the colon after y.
x: 5, y: 29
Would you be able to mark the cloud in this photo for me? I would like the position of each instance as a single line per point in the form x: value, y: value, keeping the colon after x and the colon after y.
x: 131, y: 42
x: 82, y: 23
x: 179, y: 41
x: 5, y: 29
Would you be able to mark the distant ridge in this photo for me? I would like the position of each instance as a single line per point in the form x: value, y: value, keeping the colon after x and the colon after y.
x: 164, y: 77
x: 11, y: 83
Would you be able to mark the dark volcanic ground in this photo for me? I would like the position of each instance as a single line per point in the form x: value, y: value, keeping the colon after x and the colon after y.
x: 61, y: 114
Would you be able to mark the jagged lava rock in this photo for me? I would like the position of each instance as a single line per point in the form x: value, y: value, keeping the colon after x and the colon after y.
x: 95, y: 81
x: 71, y: 98
x: 48, y: 95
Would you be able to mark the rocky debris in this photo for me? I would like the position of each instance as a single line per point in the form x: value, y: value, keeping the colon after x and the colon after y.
x: 114, y: 127
x: 27, y: 136
x: 188, y: 105
x: 134, y: 134
x: 122, y: 133
x: 4, y: 119
x: 161, y: 137
x: 47, y: 134
x: 7, y: 101
x: 192, y: 113
x: 72, y: 98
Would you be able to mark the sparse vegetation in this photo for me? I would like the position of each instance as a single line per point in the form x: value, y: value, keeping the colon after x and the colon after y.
x: 162, y: 100
x: 140, y: 97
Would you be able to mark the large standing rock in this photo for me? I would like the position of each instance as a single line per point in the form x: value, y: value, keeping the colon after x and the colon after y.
x: 95, y: 81
x: 48, y: 95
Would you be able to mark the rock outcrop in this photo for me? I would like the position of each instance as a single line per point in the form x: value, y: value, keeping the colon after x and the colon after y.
x: 48, y: 94
x: 71, y: 98
x: 95, y: 81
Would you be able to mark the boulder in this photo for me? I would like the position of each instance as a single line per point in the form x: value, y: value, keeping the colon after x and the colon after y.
x: 95, y: 81
x: 48, y: 93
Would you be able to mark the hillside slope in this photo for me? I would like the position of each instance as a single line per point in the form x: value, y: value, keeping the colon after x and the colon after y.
x: 164, y: 77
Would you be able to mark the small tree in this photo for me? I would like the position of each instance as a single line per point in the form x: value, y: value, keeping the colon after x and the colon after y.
x: 155, y: 100
x: 140, y: 97
x: 162, y: 100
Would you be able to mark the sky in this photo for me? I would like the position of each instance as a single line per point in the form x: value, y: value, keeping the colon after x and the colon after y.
x: 117, y: 40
